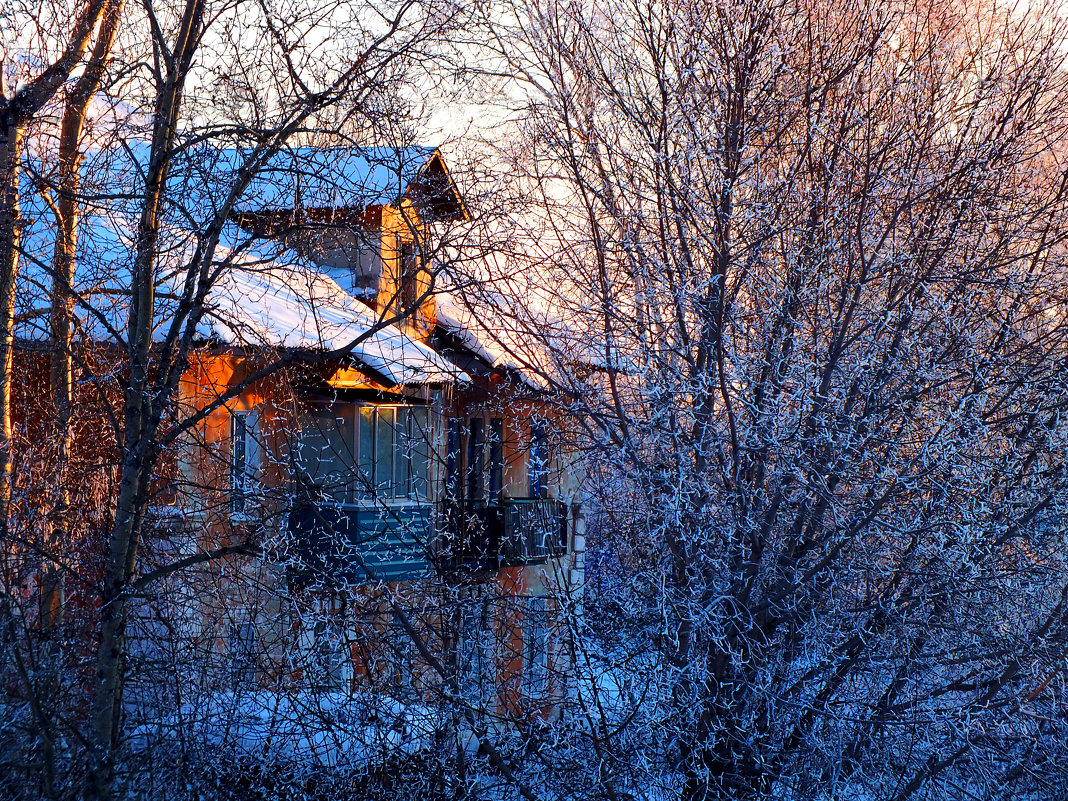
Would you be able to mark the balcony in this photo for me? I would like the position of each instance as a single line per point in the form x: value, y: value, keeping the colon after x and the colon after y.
x: 393, y: 541
x: 513, y: 531
x: 396, y: 542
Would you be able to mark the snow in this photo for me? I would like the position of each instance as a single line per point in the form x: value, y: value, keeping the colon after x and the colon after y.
x: 509, y: 330
x: 316, y: 731
x: 331, y: 177
x: 263, y: 295
x: 458, y: 320
x: 495, y: 344
x: 354, y: 178
x: 294, y: 306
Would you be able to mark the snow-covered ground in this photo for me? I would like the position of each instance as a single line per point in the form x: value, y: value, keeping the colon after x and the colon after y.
x: 334, y: 731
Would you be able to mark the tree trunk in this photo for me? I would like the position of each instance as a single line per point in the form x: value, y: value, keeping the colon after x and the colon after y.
x: 61, y: 374
x: 141, y: 414
x: 10, y: 233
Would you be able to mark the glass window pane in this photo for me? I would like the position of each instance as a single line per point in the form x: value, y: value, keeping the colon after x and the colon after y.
x: 420, y: 452
x: 384, y: 452
x: 536, y: 642
x: 402, y: 455
x: 325, y: 451
x: 365, y: 477
x: 476, y: 459
x: 496, y: 471
x: 453, y: 458
x: 537, y: 461
x: 239, y: 438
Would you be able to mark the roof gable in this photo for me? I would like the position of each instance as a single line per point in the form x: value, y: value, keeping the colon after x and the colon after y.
x: 353, y: 178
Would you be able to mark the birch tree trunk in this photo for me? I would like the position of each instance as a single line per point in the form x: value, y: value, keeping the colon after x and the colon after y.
x: 61, y: 373
x: 10, y: 230
x: 15, y: 113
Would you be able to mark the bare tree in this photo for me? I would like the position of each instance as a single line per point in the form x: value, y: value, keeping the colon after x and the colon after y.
x: 61, y: 383
x: 59, y: 52
x: 171, y: 172
x: 806, y: 263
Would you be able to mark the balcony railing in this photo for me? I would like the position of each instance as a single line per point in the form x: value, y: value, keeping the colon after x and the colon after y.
x: 512, y: 531
x: 399, y: 542
x: 393, y: 541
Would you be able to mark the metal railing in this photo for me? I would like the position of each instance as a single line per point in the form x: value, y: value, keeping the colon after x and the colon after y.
x: 399, y: 542
x: 535, y: 528
x: 512, y: 531
x: 394, y: 541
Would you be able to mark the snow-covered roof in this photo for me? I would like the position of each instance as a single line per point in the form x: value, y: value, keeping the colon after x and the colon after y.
x: 200, y: 178
x: 497, y: 314
x: 263, y: 296
x: 503, y: 314
x: 486, y: 335
x: 294, y: 306
x: 331, y: 177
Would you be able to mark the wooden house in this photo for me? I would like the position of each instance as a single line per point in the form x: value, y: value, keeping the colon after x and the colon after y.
x: 392, y: 457
x: 395, y: 509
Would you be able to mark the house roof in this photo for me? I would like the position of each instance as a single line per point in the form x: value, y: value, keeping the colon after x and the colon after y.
x: 493, y: 312
x: 294, y: 306
x: 263, y: 296
x: 354, y: 178
x: 486, y: 334
x: 307, y: 178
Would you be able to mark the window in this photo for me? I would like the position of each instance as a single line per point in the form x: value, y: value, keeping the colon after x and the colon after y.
x: 324, y: 653
x: 353, y: 453
x: 242, y: 460
x: 397, y: 666
x: 496, y: 459
x: 326, y: 452
x: 476, y: 459
x: 329, y: 663
x: 401, y: 443
x: 536, y: 648
x: 452, y: 458
x: 242, y: 642
x: 380, y: 443
x: 476, y: 660
x: 537, y: 462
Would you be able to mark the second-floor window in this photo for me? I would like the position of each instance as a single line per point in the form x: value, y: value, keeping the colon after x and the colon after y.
x: 476, y: 459
x: 453, y: 457
x: 496, y: 459
x: 350, y: 453
x: 242, y: 460
x: 538, y: 461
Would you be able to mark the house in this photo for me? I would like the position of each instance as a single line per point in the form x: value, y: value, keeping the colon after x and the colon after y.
x: 412, y: 519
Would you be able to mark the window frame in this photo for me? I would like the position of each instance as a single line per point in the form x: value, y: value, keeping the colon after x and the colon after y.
x: 538, y: 462
x: 364, y: 425
x: 408, y: 269
x: 496, y: 460
x: 477, y: 654
x: 476, y: 460
x: 242, y: 454
x: 537, y: 662
x: 243, y: 647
